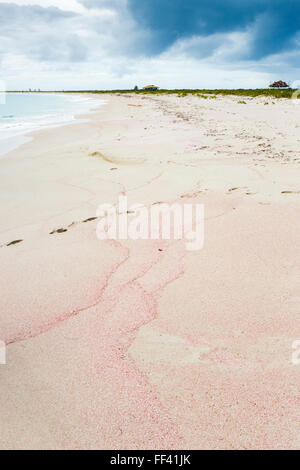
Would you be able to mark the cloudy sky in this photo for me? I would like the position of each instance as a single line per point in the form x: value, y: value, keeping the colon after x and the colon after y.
x: 92, y: 44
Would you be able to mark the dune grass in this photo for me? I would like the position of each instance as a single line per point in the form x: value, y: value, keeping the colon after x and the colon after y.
x: 212, y: 94
x: 201, y: 93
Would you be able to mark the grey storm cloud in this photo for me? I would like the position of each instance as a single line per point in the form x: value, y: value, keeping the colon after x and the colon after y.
x: 274, y: 24
x: 54, y: 35
x: 226, y: 32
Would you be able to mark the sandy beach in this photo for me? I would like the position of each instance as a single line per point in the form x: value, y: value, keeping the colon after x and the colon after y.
x: 143, y: 344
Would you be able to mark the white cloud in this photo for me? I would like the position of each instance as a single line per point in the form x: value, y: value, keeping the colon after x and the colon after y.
x: 92, y: 44
x: 219, y: 47
x: 69, y: 5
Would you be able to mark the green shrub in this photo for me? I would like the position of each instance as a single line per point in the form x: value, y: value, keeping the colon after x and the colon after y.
x: 202, y: 93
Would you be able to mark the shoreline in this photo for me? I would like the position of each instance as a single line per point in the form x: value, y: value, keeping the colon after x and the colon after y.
x: 10, y: 143
x: 141, y: 344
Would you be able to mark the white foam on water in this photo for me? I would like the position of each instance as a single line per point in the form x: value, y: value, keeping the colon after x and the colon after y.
x: 13, y: 129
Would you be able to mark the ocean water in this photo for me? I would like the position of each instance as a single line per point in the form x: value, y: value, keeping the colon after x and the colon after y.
x: 24, y: 112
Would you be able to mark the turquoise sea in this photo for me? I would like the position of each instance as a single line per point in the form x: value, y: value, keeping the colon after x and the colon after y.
x: 25, y: 112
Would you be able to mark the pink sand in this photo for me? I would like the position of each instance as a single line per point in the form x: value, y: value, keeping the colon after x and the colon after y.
x: 118, y: 345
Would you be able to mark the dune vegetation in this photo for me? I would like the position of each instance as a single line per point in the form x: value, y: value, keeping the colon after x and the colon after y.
x: 266, y: 92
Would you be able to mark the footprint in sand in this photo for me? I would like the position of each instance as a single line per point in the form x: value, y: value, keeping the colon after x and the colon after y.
x: 63, y: 230
x: 290, y: 192
x: 232, y: 190
x: 100, y: 155
x: 89, y: 220
x: 15, y: 242
x: 191, y: 196
x: 60, y: 230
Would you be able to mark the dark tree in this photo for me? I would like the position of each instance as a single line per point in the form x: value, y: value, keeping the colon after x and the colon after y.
x: 279, y: 84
